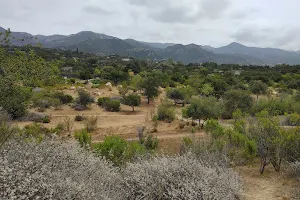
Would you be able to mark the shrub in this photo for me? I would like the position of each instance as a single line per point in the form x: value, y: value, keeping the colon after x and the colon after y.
x: 55, y: 170
x: 84, y: 98
x: 292, y: 119
x: 46, y: 120
x: 113, y: 148
x: 150, y: 143
x: 179, y: 177
x: 112, y: 106
x: 58, y: 129
x: 84, y: 138
x: 36, y: 131
x: 79, y: 118
x: 68, y: 124
x: 132, y: 100
x: 64, y: 98
x: 102, y: 101
x: 67, y: 171
x: 91, y: 123
x: 166, y: 113
x: 13, y: 98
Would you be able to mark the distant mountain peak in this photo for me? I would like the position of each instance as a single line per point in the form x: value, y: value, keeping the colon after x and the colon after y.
x: 236, y: 44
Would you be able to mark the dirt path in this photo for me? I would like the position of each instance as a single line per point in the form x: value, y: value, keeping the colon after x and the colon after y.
x: 270, y: 186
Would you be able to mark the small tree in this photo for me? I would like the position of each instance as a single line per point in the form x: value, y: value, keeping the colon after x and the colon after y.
x: 132, y: 100
x: 204, y: 108
x: 237, y: 99
x: 84, y: 98
x: 258, y: 88
x: 265, y: 130
x: 177, y: 95
x: 150, y: 86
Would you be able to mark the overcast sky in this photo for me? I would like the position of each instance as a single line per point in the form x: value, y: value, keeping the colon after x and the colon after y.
x: 263, y: 23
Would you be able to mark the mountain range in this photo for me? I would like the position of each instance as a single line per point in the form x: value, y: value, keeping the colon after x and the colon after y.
x: 90, y: 42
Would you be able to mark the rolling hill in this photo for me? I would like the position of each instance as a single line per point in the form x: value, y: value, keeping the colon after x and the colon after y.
x: 87, y: 41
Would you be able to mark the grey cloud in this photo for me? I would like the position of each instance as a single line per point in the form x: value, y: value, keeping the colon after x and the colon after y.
x: 269, y: 37
x: 95, y: 10
x: 214, y: 9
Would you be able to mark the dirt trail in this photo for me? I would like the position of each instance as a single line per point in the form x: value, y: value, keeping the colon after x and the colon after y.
x: 270, y: 186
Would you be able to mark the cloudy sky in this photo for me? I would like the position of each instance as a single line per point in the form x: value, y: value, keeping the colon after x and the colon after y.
x: 263, y: 23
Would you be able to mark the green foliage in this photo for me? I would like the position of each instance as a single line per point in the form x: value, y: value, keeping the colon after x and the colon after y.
x: 258, y: 88
x: 166, y: 112
x: 132, y: 100
x: 204, y: 108
x: 292, y: 119
x: 236, y: 145
x: 265, y: 130
x: 102, y: 101
x: 150, y: 143
x: 36, y: 131
x: 84, y: 98
x: 150, y: 85
x: 177, y: 94
x: 13, y: 98
x: 237, y: 99
x: 46, y: 119
x: 112, y: 106
x: 64, y: 98
x: 84, y: 138
x: 118, y: 150
x: 274, y: 106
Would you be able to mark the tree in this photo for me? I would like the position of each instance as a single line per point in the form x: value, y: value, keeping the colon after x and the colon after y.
x: 132, y: 100
x: 204, y: 108
x: 265, y: 130
x: 207, y: 89
x: 13, y: 98
x: 84, y: 98
x: 237, y: 99
x: 177, y: 95
x: 150, y: 86
x: 258, y: 88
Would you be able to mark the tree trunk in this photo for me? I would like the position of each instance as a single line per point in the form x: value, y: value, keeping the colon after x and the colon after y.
x: 148, y: 100
x: 263, y: 164
x: 132, y: 108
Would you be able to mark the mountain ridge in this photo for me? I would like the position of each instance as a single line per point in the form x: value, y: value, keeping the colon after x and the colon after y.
x: 91, y: 42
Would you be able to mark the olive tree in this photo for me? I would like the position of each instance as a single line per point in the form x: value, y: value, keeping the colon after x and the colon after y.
x: 132, y: 100
x: 204, y: 108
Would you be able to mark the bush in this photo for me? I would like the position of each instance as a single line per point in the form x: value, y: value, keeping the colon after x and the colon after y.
x: 274, y: 106
x: 64, y: 98
x: 13, y: 98
x: 84, y: 98
x: 91, y: 123
x: 113, y: 148
x: 166, y: 113
x: 150, y: 143
x: 79, y: 118
x: 292, y: 119
x: 179, y: 177
x: 84, y: 138
x: 71, y: 172
x: 68, y: 124
x: 46, y: 120
x: 112, y: 106
x: 102, y: 101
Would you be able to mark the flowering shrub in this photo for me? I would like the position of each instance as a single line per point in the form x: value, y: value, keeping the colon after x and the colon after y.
x: 179, y: 177
x: 50, y: 169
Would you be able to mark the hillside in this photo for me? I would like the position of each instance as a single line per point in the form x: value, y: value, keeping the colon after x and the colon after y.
x: 87, y: 41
